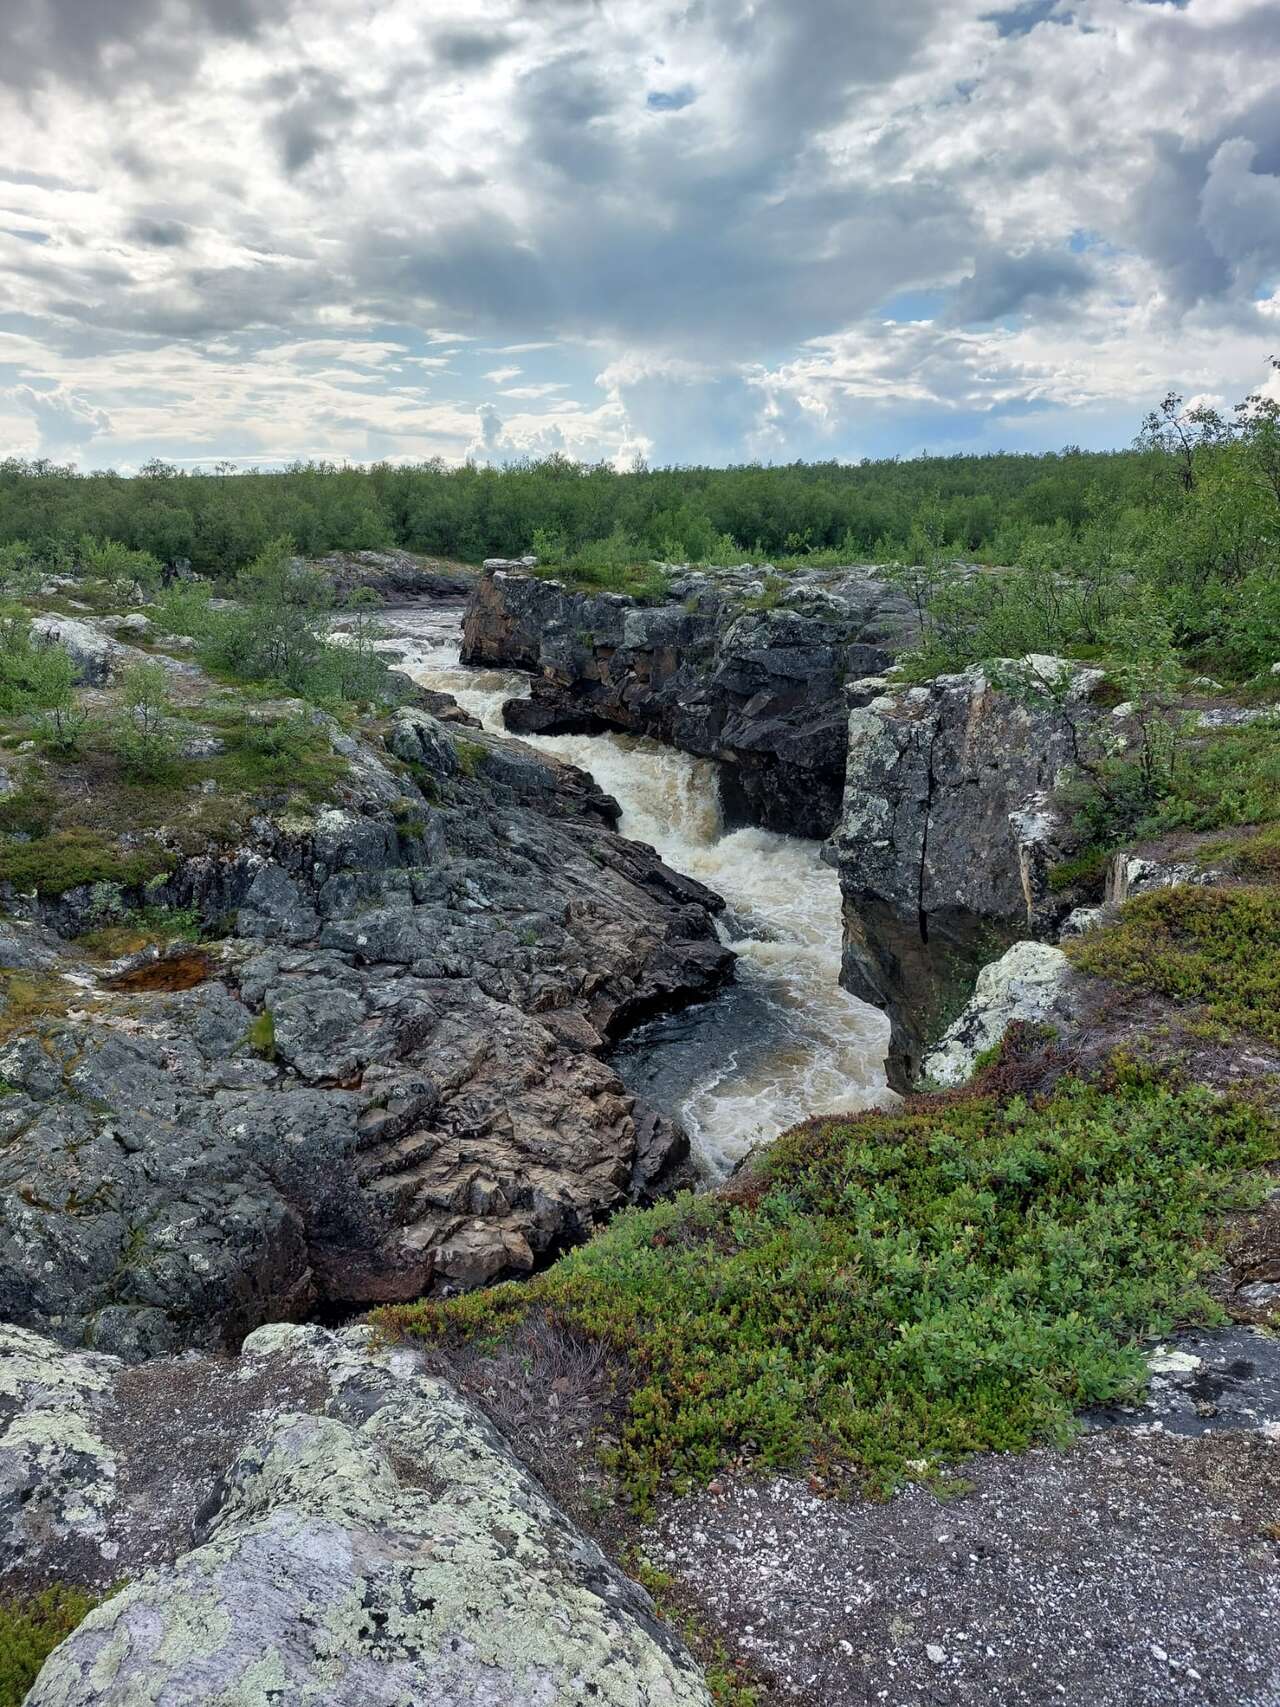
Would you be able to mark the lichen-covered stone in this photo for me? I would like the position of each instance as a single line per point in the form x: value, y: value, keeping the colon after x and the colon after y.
x: 1031, y: 983
x: 57, y: 1473
x: 391, y: 1552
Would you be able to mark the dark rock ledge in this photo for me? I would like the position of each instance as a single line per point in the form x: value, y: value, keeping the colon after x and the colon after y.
x: 383, y: 1080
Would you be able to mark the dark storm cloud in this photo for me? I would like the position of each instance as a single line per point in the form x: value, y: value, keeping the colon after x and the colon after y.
x: 467, y: 50
x: 144, y: 40
x: 158, y: 233
x: 314, y: 110
x: 1005, y: 285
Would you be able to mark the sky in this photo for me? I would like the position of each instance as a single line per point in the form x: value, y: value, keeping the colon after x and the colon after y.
x: 710, y: 231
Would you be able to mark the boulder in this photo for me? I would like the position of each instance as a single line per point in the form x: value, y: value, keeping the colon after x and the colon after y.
x: 725, y: 668
x: 95, y: 655
x: 388, y: 1549
x: 1031, y: 982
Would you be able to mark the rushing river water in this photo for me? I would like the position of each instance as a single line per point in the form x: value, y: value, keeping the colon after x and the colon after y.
x: 786, y: 1041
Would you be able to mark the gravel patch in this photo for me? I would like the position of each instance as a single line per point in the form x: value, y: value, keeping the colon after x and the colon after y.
x: 1136, y: 1569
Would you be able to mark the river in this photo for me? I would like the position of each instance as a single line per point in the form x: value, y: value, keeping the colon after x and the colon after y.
x: 785, y: 1041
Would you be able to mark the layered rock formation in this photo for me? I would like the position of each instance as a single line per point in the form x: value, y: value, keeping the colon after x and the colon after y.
x: 364, y: 1537
x: 383, y: 1079
x: 946, y: 834
x: 730, y: 667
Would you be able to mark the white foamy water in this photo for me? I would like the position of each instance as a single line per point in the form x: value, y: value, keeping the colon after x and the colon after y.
x: 822, y: 1051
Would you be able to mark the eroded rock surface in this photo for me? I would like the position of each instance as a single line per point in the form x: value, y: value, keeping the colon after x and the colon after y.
x: 377, y: 1546
x: 385, y: 1080
x: 946, y: 835
x: 727, y: 668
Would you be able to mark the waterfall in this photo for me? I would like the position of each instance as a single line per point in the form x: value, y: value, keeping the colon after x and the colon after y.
x: 811, y: 1047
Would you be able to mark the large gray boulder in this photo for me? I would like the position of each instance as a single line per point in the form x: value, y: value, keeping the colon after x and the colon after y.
x: 389, y: 1551
x: 95, y: 655
x: 947, y: 832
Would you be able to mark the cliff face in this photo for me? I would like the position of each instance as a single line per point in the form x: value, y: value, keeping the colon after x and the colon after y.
x: 711, y: 672
x: 944, y: 837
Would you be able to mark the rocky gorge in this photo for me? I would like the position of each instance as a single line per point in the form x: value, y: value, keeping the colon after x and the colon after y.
x: 381, y: 1065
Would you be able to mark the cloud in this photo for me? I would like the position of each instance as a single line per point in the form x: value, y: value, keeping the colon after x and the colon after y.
x: 466, y: 50
x: 64, y: 421
x: 1005, y: 285
x: 111, y: 42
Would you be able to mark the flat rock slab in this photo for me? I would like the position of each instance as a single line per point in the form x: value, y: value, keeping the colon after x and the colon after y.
x: 1133, y: 1570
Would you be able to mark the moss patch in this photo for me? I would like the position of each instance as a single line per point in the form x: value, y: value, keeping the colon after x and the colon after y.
x: 31, y: 1627
x: 1216, y: 947
x: 892, y: 1291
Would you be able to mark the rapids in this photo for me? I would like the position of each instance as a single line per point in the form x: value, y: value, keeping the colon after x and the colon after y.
x: 787, y: 1041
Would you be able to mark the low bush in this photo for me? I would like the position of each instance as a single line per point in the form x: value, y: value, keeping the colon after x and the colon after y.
x: 1219, y: 948
x: 899, y: 1289
x: 64, y: 859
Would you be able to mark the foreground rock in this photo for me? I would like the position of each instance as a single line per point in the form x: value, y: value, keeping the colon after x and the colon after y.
x: 383, y: 1079
x: 381, y: 1547
x: 728, y: 667
x: 946, y: 836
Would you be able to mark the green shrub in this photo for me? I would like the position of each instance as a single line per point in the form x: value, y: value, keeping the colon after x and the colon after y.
x: 34, y: 676
x: 903, y: 1288
x: 64, y: 859
x: 1219, y: 948
x: 112, y: 561
x: 31, y: 1627
x: 143, y: 735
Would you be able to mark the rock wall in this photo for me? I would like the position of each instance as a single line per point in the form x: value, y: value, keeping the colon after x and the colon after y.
x: 711, y: 671
x: 946, y: 835
x: 383, y: 1078
x: 369, y: 1540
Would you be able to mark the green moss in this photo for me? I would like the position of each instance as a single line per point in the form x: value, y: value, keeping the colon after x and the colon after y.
x: 31, y: 1627
x: 470, y: 755
x: 261, y: 1036
x: 65, y: 859
x: 895, y: 1290
x: 1216, y: 947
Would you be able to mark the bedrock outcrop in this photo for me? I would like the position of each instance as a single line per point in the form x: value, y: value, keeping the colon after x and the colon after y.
x: 382, y: 1078
x: 730, y: 666
x: 367, y: 1540
x: 948, y: 831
